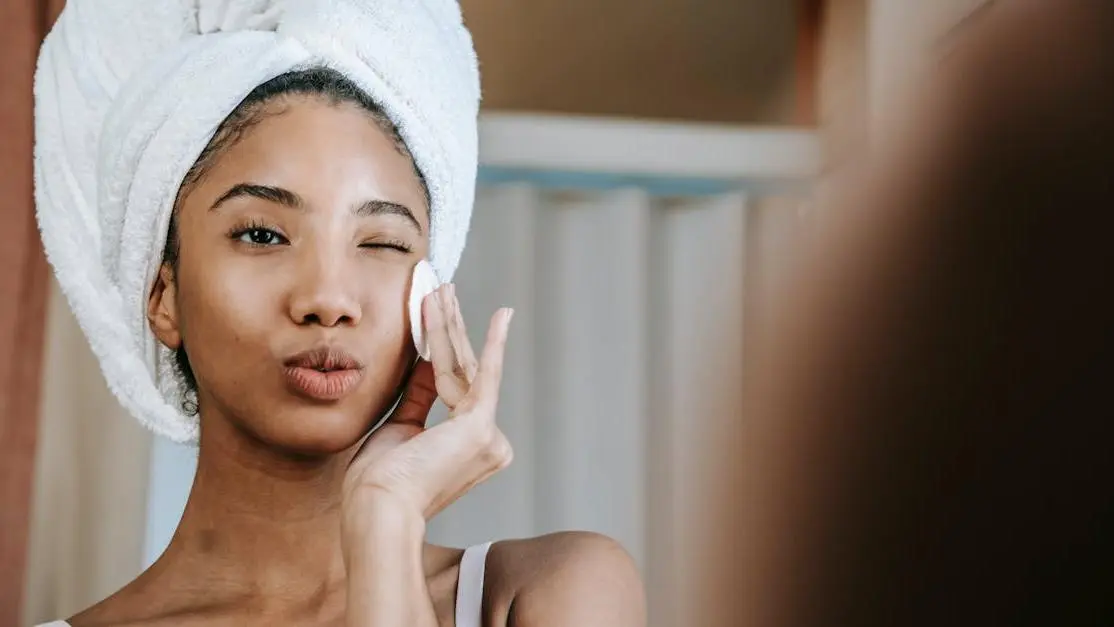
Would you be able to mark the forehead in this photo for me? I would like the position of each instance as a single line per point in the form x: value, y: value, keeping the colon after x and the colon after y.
x: 321, y: 150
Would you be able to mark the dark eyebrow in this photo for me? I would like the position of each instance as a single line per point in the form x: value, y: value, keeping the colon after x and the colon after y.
x: 276, y: 195
x: 385, y: 207
x: 288, y: 198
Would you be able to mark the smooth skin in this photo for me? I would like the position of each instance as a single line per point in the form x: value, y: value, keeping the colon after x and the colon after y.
x: 304, y: 234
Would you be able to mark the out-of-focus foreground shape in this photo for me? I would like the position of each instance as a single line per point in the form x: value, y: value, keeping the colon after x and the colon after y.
x: 927, y: 432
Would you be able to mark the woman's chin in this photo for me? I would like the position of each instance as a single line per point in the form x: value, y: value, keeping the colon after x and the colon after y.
x: 323, y: 430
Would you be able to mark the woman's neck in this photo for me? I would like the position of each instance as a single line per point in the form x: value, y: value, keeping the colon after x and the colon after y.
x: 260, y: 527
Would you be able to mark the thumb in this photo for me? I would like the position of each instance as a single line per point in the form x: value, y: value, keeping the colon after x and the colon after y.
x: 417, y: 398
x: 407, y: 420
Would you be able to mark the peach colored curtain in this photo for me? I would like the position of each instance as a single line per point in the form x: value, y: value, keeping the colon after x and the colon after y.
x: 23, y: 281
x: 88, y: 509
x: 73, y: 468
x: 83, y: 493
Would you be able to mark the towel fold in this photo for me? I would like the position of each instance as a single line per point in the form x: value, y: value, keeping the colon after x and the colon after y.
x: 128, y: 93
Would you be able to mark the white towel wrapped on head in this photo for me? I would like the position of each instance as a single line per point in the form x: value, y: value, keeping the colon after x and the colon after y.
x: 129, y: 92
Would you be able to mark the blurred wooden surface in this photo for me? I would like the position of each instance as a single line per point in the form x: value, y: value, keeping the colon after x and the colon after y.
x: 711, y: 60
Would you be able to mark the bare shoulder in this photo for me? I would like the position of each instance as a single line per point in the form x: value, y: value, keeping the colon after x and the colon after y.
x: 568, y: 578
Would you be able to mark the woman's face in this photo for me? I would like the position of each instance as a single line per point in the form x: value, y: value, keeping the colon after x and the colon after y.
x: 296, y: 252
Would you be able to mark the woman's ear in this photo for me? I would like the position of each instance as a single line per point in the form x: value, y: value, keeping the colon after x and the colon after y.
x: 162, y: 308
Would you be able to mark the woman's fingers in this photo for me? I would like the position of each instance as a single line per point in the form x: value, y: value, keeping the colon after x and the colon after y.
x: 407, y: 420
x: 448, y: 497
x: 479, y: 450
x: 450, y: 387
x: 458, y: 336
x: 417, y: 398
x: 432, y: 467
x: 485, y: 388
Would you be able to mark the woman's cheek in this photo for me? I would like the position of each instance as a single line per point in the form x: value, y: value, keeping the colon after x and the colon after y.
x: 239, y: 298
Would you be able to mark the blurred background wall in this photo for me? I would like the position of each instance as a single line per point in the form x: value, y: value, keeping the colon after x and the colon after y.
x: 645, y: 171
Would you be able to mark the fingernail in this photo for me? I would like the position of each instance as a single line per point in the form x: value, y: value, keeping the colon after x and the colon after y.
x: 509, y: 314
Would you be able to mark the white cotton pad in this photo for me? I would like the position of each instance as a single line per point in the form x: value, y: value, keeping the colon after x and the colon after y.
x: 422, y: 284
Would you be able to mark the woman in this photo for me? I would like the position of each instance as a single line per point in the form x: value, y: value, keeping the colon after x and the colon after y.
x: 277, y: 293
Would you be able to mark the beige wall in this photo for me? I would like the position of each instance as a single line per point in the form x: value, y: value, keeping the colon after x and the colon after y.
x: 714, y: 60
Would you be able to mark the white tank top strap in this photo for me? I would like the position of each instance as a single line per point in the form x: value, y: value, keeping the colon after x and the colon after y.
x: 470, y: 586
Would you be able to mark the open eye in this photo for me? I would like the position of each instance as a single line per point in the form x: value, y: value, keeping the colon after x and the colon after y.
x: 261, y: 237
x: 255, y: 235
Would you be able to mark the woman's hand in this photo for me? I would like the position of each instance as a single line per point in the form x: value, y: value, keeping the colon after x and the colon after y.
x: 404, y: 473
x: 424, y: 470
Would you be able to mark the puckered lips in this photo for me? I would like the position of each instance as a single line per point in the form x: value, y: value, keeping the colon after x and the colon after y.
x: 323, y: 373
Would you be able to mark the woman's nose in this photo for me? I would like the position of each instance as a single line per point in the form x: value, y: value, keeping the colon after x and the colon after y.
x: 324, y: 294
